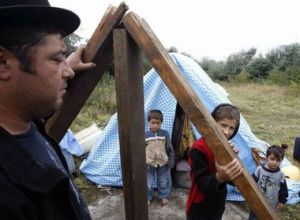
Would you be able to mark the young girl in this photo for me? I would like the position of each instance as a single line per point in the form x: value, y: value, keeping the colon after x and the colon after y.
x: 206, y: 199
x: 271, y: 179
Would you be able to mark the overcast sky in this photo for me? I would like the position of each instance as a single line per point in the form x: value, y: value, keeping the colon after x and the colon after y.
x: 204, y: 28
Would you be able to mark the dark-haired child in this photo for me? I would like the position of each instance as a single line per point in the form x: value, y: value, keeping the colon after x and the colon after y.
x: 271, y: 180
x: 206, y: 199
x: 159, y: 157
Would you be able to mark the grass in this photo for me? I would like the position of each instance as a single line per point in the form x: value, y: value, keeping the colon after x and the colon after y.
x: 273, y: 115
x: 271, y: 111
x: 99, y: 107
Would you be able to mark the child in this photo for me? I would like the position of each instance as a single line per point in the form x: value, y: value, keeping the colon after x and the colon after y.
x: 271, y: 180
x: 206, y: 199
x: 159, y: 157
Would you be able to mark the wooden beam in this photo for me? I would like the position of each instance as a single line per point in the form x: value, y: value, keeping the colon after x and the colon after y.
x: 98, y: 50
x: 196, y: 111
x: 130, y: 106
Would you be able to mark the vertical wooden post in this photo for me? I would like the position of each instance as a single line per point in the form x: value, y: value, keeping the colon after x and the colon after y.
x: 130, y: 107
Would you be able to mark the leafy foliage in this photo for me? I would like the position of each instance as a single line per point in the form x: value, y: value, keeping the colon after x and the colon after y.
x: 100, y: 105
x: 213, y: 68
x: 287, y: 77
x: 285, y: 56
x: 72, y: 42
x: 238, y: 61
x: 259, y: 68
x: 279, y: 66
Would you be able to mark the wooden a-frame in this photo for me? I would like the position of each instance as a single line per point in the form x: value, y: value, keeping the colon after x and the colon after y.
x: 123, y: 36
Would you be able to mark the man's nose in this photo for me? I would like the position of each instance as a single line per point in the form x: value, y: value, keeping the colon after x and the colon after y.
x: 67, y: 70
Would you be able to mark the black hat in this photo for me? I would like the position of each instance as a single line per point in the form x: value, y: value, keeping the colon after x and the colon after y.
x: 37, y: 13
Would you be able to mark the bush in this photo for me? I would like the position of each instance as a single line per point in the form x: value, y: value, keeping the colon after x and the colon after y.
x: 277, y: 77
x: 243, y: 77
x: 259, y: 68
x: 291, y: 75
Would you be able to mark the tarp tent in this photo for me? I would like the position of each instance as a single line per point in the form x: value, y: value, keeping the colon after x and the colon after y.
x: 103, y: 165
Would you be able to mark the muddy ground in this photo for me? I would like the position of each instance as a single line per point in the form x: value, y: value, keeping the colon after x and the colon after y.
x: 108, y: 204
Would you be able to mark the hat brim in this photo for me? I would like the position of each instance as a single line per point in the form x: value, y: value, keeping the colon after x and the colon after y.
x: 62, y: 19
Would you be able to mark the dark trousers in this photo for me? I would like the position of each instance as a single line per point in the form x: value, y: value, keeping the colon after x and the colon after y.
x: 207, y: 211
x: 251, y: 216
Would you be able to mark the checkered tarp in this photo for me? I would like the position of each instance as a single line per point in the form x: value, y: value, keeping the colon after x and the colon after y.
x: 103, y: 165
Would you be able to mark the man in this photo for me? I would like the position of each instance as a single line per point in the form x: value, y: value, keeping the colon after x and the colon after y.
x: 34, y: 181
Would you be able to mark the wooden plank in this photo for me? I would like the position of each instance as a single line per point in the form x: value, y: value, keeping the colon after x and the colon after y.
x: 130, y: 106
x: 196, y: 111
x: 98, y: 50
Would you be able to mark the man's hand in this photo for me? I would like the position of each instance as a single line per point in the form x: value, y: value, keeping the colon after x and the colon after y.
x: 75, y: 61
x: 229, y: 171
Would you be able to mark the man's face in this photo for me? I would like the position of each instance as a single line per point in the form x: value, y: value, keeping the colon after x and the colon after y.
x: 42, y: 91
x: 227, y: 126
x: 154, y: 124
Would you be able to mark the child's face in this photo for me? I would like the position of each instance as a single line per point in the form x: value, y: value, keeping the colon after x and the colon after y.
x: 272, y: 162
x: 227, y: 126
x: 155, y: 124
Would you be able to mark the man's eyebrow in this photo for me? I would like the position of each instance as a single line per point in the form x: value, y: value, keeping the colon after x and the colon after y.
x: 60, y: 52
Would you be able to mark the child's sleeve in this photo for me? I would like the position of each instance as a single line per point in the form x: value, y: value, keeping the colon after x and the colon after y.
x: 283, y: 192
x: 170, y: 151
x: 255, y: 175
x: 206, y: 182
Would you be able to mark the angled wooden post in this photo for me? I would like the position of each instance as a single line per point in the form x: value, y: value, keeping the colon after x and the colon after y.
x: 130, y: 106
x: 195, y: 110
x: 99, y: 50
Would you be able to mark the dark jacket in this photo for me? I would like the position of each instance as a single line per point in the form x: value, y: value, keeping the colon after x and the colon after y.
x: 206, y: 199
x: 29, y: 190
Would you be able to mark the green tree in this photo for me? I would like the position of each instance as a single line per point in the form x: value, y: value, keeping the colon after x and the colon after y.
x: 215, y: 69
x: 292, y: 56
x: 237, y: 62
x: 285, y: 56
x: 72, y: 42
x: 259, y: 68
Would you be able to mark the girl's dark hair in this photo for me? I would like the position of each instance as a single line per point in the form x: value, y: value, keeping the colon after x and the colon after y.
x: 226, y: 110
x: 21, y: 42
x: 156, y: 114
x: 277, y: 151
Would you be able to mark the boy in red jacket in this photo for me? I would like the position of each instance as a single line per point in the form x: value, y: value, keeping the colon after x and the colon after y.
x: 206, y: 199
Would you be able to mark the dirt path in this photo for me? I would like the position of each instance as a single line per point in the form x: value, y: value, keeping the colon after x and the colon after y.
x: 109, y: 206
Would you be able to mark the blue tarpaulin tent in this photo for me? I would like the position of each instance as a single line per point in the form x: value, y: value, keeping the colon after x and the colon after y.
x: 103, y: 165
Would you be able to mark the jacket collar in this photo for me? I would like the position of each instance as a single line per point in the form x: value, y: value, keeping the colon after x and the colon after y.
x: 21, y: 169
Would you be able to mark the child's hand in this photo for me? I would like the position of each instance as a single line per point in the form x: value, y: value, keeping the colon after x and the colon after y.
x: 229, y: 171
x: 234, y: 148
x: 75, y: 61
x: 280, y: 206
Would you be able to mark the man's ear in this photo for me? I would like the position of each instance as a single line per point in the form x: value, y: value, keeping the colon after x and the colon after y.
x: 4, y: 68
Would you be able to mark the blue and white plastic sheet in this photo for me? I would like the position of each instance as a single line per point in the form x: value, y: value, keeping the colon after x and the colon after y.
x: 103, y: 166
